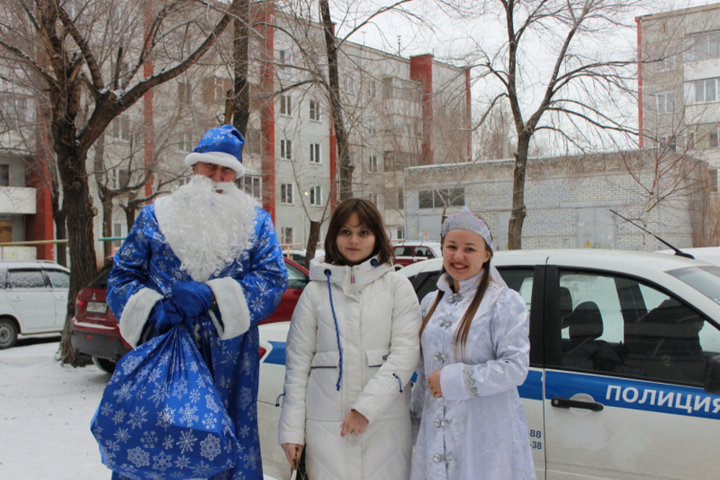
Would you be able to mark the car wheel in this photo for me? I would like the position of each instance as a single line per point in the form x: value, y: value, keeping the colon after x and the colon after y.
x: 104, y: 364
x: 8, y: 333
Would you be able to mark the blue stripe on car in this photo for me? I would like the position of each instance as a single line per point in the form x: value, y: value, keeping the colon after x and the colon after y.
x: 277, y: 353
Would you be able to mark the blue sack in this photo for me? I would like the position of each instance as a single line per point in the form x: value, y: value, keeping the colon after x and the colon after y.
x: 161, y: 417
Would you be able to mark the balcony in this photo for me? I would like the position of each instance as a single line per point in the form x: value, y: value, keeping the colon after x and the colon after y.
x: 17, y: 201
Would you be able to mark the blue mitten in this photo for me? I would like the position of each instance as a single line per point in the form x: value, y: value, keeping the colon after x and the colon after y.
x: 192, y: 298
x: 164, y: 315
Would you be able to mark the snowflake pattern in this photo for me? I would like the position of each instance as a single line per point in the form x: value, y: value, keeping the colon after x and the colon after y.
x: 209, y: 421
x: 149, y: 439
x: 139, y: 457
x: 210, y: 447
x: 122, y: 435
x: 188, y: 416
x: 186, y: 442
x: 165, y: 391
x: 137, y: 418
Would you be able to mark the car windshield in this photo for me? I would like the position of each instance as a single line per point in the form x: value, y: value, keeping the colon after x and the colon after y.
x: 705, y: 280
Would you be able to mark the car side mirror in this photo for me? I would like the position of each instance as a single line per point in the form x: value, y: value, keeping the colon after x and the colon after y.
x: 712, y: 375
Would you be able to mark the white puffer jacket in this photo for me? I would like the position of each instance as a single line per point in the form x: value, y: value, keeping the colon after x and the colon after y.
x: 378, y: 318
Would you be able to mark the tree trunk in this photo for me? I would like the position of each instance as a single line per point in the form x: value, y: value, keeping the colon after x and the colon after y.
x: 345, y: 169
x: 77, y: 206
x: 241, y: 97
x: 312, y: 242
x: 518, y: 200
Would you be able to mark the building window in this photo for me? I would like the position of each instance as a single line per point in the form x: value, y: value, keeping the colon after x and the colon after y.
x: 702, y: 46
x: 442, y: 197
x: 119, y: 178
x: 401, y: 233
x: 667, y: 63
x: 184, y: 92
x: 373, y: 164
x: 285, y: 105
x: 15, y: 109
x: 371, y: 126
x: 690, y: 140
x: 315, y: 153
x: 252, y: 184
x: 373, y: 197
x: 117, y: 232
x: 314, y: 110
x: 286, y: 235
x: 4, y: 175
x: 394, y: 87
x: 121, y: 128
x: 372, y: 88
x: 286, y: 194
x: 349, y: 85
x: 666, y: 102
x: 316, y: 196
x: 401, y: 199
x: 285, y: 59
x: 185, y: 144
x: 713, y: 139
x: 286, y: 149
x: 668, y: 141
x: 703, y: 91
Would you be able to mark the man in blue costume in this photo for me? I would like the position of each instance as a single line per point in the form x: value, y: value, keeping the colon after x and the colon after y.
x: 206, y: 256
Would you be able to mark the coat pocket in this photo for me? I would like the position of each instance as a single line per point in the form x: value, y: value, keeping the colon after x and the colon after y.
x: 377, y: 356
x: 325, y: 360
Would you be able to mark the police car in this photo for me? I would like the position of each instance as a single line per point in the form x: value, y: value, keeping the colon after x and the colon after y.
x: 625, y: 363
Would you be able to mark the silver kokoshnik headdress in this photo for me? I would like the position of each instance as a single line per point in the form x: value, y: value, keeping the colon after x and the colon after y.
x: 466, y: 220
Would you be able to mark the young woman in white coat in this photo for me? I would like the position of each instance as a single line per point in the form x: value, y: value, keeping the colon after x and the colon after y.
x: 475, y: 353
x: 351, y: 351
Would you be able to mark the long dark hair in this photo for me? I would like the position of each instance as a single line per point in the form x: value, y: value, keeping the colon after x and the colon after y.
x: 464, y: 328
x: 369, y: 216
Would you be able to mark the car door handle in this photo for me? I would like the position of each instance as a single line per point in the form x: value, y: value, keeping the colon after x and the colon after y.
x: 567, y: 403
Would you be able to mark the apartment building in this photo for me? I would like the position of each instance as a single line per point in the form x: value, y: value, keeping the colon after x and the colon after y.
x: 679, y: 82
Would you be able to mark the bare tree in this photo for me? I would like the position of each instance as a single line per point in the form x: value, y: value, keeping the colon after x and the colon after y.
x: 580, y: 97
x: 81, y: 50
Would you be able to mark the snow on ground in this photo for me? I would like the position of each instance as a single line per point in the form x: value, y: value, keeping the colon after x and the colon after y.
x: 45, y: 414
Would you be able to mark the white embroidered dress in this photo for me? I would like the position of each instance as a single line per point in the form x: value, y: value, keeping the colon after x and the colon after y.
x: 477, y: 430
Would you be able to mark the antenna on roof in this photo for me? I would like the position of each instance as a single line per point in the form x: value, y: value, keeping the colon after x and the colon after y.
x: 677, y: 251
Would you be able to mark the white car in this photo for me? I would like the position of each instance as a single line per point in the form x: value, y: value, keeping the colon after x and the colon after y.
x: 625, y: 363
x: 33, y: 299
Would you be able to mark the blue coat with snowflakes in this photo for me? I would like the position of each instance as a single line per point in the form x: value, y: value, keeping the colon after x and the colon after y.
x: 246, y: 291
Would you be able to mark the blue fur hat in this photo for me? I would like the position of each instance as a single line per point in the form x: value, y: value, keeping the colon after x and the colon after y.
x: 221, y: 146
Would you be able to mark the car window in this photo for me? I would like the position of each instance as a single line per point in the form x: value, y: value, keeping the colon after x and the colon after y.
x: 58, y: 278
x: 403, y: 251
x: 619, y: 325
x: 3, y: 279
x: 296, y: 278
x: 520, y: 280
x: 26, y: 279
x: 100, y: 278
x: 423, y: 252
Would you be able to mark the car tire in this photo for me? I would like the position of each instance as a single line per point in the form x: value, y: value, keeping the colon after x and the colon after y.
x: 104, y: 364
x: 8, y: 333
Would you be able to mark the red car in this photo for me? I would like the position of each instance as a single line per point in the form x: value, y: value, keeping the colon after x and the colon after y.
x: 95, y: 331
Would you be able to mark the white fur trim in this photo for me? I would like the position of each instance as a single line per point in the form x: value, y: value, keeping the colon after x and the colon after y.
x: 218, y: 158
x: 230, y: 299
x: 136, y: 313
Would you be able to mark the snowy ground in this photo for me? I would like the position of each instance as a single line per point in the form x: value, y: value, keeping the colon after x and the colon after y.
x: 45, y: 413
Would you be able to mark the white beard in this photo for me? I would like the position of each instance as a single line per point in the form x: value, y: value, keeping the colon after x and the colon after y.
x: 207, y: 230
